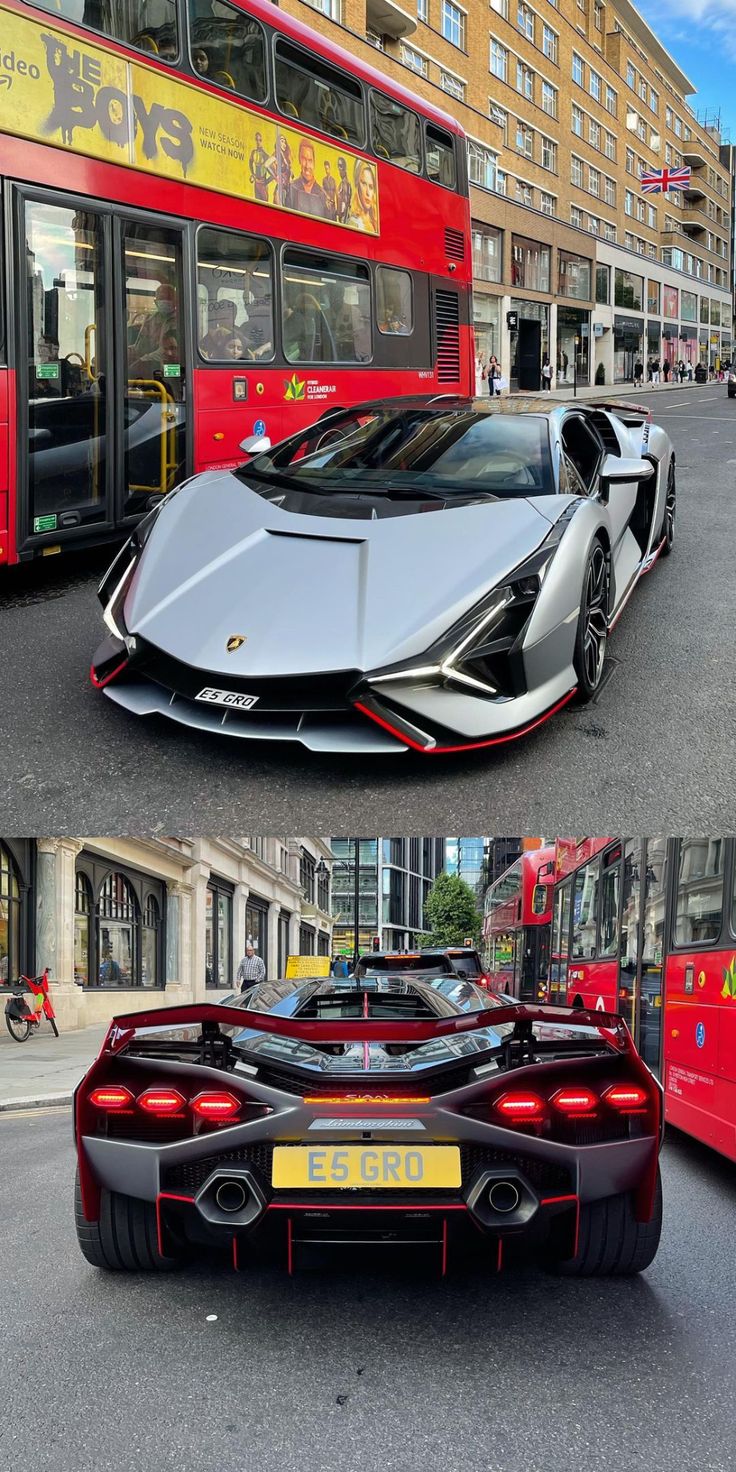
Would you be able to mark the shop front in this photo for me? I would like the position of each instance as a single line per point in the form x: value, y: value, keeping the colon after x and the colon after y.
x: 628, y: 347
x: 256, y: 926
x: 654, y: 342
x: 573, y: 345
x: 16, y: 908
x: 529, y: 343
x: 487, y: 325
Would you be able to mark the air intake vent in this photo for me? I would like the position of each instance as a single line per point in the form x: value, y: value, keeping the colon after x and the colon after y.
x: 447, y: 325
x: 455, y: 245
x: 606, y: 432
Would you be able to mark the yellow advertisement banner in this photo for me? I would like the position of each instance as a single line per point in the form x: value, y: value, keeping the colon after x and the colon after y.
x: 299, y: 966
x: 54, y: 89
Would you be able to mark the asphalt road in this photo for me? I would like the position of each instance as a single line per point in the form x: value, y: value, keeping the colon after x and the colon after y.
x: 370, y: 1369
x: 657, y: 748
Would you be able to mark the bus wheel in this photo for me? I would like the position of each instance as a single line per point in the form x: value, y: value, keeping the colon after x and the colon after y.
x: 611, y: 1242
x: 578, y: 1004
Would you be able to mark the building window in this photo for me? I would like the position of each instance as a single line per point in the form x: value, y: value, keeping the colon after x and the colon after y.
x: 609, y: 230
x: 576, y: 216
x: 598, y: 15
x: 487, y: 252
x: 549, y: 154
x: 628, y: 289
x: 550, y: 42
x: 11, y: 960
x: 525, y: 80
x: 577, y: 120
x: 150, y: 942
x: 630, y: 76
x: 323, y: 893
x: 501, y: 7
x: 594, y: 225
x: 630, y: 161
x: 610, y: 191
x: 594, y: 85
x: 611, y: 101
x: 610, y: 148
x: 594, y: 182
x: 642, y: 89
x: 576, y: 171
x: 524, y: 194
x: 117, y: 919
x: 529, y: 264
x: 452, y: 85
x: 651, y: 217
x: 547, y: 203
x: 640, y: 210
x: 577, y: 68
x: 483, y: 167
x: 218, y: 934
x: 452, y: 23
x: 82, y: 923
x: 653, y: 100
x: 498, y: 115
x: 524, y: 140
x: 499, y: 60
x: 603, y: 285
x: 306, y: 940
x: 574, y: 276
x: 628, y: 202
x: 525, y: 20
x: 307, y: 866
x: 423, y: 10
x: 414, y: 60
x: 594, y: 133
x: 549, y: 99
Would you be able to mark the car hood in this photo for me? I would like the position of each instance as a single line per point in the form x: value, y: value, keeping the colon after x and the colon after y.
x: 307, y: 592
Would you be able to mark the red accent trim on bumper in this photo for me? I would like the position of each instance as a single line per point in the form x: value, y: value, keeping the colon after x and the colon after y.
x: 469, y: 745
x: 100, y: 684
x: 305, y: 1206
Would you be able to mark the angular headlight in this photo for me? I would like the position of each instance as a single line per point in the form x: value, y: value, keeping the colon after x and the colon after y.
x: 478, y: 651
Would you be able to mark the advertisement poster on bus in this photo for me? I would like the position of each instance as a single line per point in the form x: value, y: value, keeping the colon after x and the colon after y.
x: 55, y: 89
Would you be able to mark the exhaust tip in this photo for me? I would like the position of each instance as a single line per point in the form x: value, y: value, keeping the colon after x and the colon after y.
x: 504, y: 1196
x: 230, y: 1196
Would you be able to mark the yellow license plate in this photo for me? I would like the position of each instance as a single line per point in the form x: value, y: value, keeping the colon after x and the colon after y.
x: 370, y: 1167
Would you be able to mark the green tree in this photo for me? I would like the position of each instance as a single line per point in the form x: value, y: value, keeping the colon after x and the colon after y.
x: 451, y: 912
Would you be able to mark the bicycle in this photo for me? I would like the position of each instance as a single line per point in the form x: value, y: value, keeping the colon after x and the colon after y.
x: 21, y: 1018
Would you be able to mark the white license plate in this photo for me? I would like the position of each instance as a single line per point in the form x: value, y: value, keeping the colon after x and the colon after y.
x: 233, y: 698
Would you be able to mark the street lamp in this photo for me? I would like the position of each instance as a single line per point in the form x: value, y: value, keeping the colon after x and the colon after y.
x: 323, y: 869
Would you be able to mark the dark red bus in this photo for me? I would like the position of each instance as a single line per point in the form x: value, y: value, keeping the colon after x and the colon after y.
x: 219, y: 226
x: 516, y: 926
x: 647, y: 927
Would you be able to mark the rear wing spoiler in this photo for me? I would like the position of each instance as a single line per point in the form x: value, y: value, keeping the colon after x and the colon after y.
x: 609, y: 1025
x: 629, y: 414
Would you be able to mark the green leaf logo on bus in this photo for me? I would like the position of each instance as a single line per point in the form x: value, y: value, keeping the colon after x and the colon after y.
x: 729, y: 981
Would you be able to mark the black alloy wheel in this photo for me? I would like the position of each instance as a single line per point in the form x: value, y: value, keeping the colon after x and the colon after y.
x: 18, y: 1027
x: 670, y: 509
x: 592, y: 630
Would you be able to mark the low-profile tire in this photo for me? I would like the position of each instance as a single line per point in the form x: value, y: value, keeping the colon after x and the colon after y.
x: 670, y: 510
x: 591, y: 634
x: 124, y: 1240
x: 611, y: 1242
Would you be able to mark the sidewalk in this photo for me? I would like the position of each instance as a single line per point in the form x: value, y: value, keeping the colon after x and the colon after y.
x: 45, y: 1069
x: 610, y: 391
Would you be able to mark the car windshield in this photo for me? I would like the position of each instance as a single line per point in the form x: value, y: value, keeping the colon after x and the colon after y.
x: 416, y: 450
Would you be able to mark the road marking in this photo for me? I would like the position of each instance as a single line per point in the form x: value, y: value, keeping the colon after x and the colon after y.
x: 709, y: 398
x: 714, y: 418
x: 10, y: 1114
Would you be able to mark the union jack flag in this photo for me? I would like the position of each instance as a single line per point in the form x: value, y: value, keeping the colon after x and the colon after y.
x: 660, y: 181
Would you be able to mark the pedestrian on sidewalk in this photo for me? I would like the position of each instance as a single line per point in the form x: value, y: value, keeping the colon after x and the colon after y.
x: 547, y: 373
x: 251, y: 969
x: 480, y: 374
x: 666, y: 370
x: 655, y: 371
x: 494, y: 376
x: 638, y: 372
x: 689, y: 372
x: 681, y: 370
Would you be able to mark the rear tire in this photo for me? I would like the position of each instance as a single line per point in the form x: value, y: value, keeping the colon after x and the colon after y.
x: 592, y: 631
x: 124, y: 1240
x: 612, y: 1243
x: 18, y: 1027
x: 668, y: 530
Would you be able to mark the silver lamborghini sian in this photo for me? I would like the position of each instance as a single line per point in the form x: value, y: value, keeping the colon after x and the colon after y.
x: 397, y: 577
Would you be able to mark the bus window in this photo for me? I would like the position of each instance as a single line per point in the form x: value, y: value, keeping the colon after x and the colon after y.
x: 608, y: 945
x: 395, y: 133
x: 585, y: 912
x: 150, y: 25
x: 440, y: 156
x: 228, y: 47
x: 560, y: 944
x: 326, y: 310
x: 699, y: 891
x: 318, y: 94
x: 394, y: 306
x: 234, y: 297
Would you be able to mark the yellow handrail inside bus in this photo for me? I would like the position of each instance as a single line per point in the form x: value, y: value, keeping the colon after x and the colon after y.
x: 150, y: 388
x: 90, y: 331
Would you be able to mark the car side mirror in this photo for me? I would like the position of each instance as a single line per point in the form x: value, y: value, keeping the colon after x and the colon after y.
x: 255, y: 444
x: 615, y: 468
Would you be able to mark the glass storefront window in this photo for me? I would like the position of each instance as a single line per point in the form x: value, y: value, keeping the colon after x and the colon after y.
x: 573, y: 345
x: 653, y: 340
x: 529, y: 264
x: 573, y: 276
x: 628, y: 346
x: 82, y: 914
x: 699, y: 902
x: 704, y: 309
x: 689, y: 306
x: 487, y: 326
x: 653, y: 296
x: 218, y: 932
x: 603, y: 285
x: 116, y: 920
x: 628, y: 290
x: 715, y: 313
x: 670, y: 298
x: 9, y: 919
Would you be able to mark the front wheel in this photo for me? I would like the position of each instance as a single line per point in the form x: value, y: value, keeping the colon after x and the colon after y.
x: 670, y: 509
x: 611, y: 1242
x: 592, y: 631
x: 125, y: 1239
x: 18, y: 1027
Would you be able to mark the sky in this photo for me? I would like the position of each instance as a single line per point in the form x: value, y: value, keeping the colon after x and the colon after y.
x: 701, y: 36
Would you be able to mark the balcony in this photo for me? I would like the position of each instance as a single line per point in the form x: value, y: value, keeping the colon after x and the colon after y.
x: 693, y: 155
x: 693, y: 193
x: 385, y: 18
x: 694, y: 220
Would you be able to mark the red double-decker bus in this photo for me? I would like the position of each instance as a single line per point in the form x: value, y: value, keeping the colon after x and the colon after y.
x: 219, y: 226
x: 517, y: 911
x: 647, y: 927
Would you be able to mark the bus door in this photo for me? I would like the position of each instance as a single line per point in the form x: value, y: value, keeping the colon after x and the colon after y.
x: 101, y: 368
x: 644, y: 886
